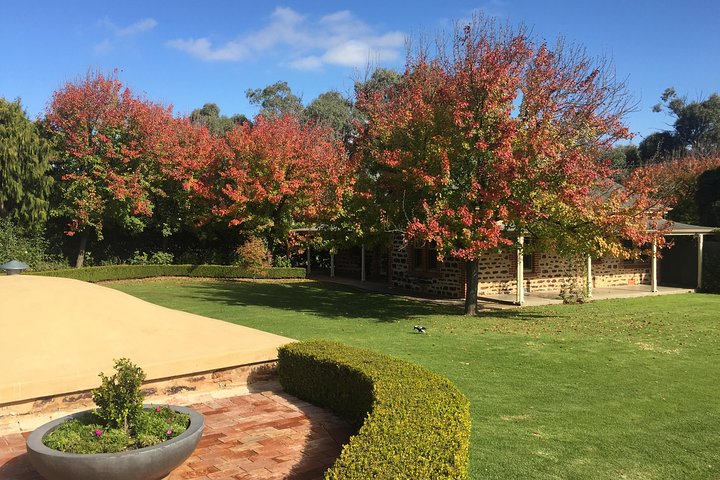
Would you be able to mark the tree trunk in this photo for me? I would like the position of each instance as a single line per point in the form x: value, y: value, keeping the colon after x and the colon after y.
x: 83, y: 244
x: 471, y: 287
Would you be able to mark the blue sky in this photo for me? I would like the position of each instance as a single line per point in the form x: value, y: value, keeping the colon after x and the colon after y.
x: 188, y: 53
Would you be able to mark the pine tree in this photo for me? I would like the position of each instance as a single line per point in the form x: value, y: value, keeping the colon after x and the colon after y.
x: 24, y: 164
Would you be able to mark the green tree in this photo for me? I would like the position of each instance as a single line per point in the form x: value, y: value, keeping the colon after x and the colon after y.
x: 209, y: 116
x: 332, y: 110
x: 707, y: 197
x: 623, y: 158
x: 696, y: 127
x: 275, y: 100
x: 380, y: 80
x: 24, y: 165
x: 657, y: 146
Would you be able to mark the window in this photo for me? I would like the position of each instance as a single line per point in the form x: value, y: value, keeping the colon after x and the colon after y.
x: 528, y: 258
x: 423, y: 258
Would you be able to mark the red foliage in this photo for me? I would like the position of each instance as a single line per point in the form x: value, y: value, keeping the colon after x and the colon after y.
x: 281, y: 172
x: 503, y: 135
x: 109, y: 143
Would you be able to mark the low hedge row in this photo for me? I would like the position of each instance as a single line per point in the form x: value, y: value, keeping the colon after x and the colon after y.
x: 126, y: 272
x: 414, y: 424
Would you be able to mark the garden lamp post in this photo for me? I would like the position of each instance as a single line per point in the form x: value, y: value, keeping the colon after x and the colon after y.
x: 13, y: 267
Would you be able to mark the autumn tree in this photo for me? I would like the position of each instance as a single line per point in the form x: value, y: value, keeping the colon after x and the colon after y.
x: 24, y: 165
x: 494, y: 136
x: 108, y: 144
x: 281, y: 173
x: 675, y: 184
x: 184, y: 196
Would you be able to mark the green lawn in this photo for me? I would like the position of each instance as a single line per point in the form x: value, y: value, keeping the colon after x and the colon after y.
x: 617, y: 389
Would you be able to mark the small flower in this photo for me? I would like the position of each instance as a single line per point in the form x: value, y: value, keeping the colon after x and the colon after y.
x: 168, y: 432
x: 98, y: 432
x: 158, y: 409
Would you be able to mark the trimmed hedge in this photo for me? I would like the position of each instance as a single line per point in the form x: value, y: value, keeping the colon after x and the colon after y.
x: 126, y: 272
x: 415, y: 424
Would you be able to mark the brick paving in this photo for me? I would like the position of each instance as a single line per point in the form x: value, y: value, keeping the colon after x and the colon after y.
x: 268, y: 436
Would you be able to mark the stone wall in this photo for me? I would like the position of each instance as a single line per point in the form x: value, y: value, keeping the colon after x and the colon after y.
x: 497, y: 274
x: 447, y: 281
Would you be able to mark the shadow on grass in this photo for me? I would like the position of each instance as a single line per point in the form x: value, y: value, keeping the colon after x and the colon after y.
x: 327, y: 300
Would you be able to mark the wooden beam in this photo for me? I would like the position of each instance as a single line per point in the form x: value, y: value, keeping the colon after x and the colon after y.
x: 308, y: 260
x: 520, y: 271
x: 653, y: 267
x: 362, y: 263
x: 588, y: 278
x: 699, y: 260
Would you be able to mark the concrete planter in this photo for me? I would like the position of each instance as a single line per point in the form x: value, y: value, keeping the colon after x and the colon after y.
x: 150, y: 463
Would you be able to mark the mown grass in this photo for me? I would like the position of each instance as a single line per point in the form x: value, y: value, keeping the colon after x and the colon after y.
x: 615, y: 389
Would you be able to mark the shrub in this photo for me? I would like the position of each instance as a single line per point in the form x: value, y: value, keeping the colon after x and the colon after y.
x: 126, y: 272
x: 414, y: 423
x: 30, y: 247
x: 119, y: 399
x: 119, y: 422
x: 282, y: 261
x: 253, y: 255
x: 157, y: 258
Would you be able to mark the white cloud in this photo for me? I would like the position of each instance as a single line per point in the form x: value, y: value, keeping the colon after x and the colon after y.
x: 117, y: 32
x: 202, y: 48
x: 307, y: 63
x: 302, y: 42
x: 140, y: 26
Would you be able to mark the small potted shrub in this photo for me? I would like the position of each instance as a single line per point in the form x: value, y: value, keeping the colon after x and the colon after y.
x: 121, y: 439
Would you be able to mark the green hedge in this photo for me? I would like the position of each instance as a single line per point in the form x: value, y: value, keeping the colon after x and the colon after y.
x: 125, y: 272
x: 415, y: 423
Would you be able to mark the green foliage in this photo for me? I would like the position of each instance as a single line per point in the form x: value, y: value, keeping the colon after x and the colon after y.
x: 281, y: 261
x: 209, y: 116
x: 30, y: 247
x: 125, y: 272
x: 275, y: 100
x: 333, y: 110
x: 119, y: 399
x: 381, y: 80
x: 24, y: 163
x: 711, y: 268
x: 696, y: 127
x: 87, y: 434
x: 707, y: 198
x: 156, y: 258
x: 415, y: 423
x: 253, y: 256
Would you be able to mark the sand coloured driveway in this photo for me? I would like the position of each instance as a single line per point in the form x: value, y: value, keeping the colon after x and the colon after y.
x: 57, y: 334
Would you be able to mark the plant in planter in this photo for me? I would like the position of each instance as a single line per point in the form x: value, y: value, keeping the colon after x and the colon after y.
x: 121, y: 439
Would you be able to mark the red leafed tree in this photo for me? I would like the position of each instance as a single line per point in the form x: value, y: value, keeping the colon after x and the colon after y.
x: 281, y: 174
x: 495, y: 136
x: 673, y: 183
x: 108, y: 144
x: 183, y: 196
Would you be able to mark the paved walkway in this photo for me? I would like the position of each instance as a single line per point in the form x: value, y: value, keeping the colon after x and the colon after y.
x: 268, y: 435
